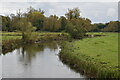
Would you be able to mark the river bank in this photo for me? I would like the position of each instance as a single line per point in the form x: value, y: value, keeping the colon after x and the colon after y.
x: 95, y: 57
x: 12, y: 40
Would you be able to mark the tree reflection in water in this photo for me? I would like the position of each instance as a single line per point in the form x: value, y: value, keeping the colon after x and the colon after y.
x: 28, y: 52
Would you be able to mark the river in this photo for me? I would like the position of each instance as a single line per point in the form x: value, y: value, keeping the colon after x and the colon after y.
x: 38, y: 60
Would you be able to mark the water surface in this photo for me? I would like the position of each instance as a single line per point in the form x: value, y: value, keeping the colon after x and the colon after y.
x: 36, y: 61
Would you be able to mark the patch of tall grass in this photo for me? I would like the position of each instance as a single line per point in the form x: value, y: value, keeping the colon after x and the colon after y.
x: 10, y: 40
x: 9, y: 45
x: 96, y: 57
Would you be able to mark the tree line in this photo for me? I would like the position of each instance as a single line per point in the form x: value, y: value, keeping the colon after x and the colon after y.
x: 112, y: 26
x: 72, y: 22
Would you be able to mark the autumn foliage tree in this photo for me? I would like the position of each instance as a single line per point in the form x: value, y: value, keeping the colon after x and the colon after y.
x: 6, y: 23
x: 52, y: 23
x: 113, y: 26
x: 77, y: 26
x: 72, y: 23
x: 22, y: 24
x: 26, y: 28
x: 63, y: 22
x: 73, y: 13
x: 36, y: 17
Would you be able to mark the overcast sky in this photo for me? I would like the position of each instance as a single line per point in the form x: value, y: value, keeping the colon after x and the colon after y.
x: 95, y: 11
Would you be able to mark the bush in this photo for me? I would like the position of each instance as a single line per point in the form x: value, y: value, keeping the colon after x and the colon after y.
x: 75, y: 28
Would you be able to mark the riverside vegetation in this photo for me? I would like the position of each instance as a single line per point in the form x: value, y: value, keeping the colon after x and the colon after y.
x: 14, y: 40
x: 100, y: 56
x: 96, y: 57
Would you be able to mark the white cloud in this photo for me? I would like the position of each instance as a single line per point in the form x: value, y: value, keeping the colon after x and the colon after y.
x: 111, y: 12
x: 96, y: 11
x: 59, y: 0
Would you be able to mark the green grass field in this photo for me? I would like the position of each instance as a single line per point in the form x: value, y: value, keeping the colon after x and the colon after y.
x: 11, y: 37
x: 103, y: 49
x: 94, y: 55
x: 11, y: 40
x: 101, y: 52
x: 17, y: 35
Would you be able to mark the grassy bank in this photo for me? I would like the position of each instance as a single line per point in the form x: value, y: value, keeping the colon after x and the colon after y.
x: 9, y: 45
x: 12, y: 40
x: 38, y: 36
x: 95, y: 57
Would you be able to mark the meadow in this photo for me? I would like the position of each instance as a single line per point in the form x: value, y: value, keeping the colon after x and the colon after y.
x: 90, y: 55
x: 18, y: 35
x: 10, y: 35
x: 97, y: 56
x: 12, y: 40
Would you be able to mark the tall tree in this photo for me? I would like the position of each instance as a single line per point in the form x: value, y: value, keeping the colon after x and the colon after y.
x: 6, y: 23
x: 112, y: 26
x: 36, y: 18
x: 31, y: 9
x: 99, y: 26
x: 73, y: 13
x: 63, y: 22
x: 76, y: 26
x: 52, y: 23
x: 22, y: 24
x: 25, y: 27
